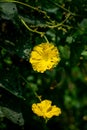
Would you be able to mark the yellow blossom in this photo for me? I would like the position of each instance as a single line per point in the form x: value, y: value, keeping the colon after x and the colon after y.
x: 45, y: 109
x: 44, y: 57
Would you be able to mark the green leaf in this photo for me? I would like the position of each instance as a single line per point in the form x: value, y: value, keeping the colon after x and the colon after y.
x: 84, y: 53
x: 69, y: 39
x: 8, y: 10
x: 65, y: 52
x: 8, y: 61
x: 15, y: 117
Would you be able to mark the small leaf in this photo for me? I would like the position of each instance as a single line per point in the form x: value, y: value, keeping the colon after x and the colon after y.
x: 65, y: 51
x: 84, y: 53
x: 69, y: 39
x: 8, y: 61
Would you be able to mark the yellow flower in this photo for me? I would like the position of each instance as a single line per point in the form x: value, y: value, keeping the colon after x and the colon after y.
x: 44, y: 57
x: 45, y: 109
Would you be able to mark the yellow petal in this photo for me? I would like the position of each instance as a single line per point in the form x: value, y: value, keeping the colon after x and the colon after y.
x: 44, y: 57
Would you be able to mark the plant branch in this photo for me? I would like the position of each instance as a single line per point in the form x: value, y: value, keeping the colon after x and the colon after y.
x: 60, y: 24
x: 35, y: 31
x: 29, y: 6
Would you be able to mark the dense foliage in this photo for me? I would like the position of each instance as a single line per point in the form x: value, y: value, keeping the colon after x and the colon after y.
x: 22, y: 27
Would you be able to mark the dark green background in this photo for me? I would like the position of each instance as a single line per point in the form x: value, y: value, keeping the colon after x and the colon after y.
x: 65, y: 85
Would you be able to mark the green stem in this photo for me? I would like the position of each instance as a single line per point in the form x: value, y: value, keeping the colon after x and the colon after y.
x: 35, y: 31
x: 45, y: 124
x: 58, y: 5
x: 30, y: 86
x: 46, y: 39
x: 29, y: 6
x: 60, y: 24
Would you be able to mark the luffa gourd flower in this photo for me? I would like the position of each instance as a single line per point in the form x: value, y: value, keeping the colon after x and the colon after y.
x: 44, y: 56
x: 45, y: 109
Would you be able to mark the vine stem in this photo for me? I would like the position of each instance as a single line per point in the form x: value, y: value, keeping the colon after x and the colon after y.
x: 60, y: 6
x: 14, y: 1
x: 60, y: 24
x: 35, y: 31
x: 29, y: 6
x: 39, y: 97
x: 46, y: 39
x: 49, y: 24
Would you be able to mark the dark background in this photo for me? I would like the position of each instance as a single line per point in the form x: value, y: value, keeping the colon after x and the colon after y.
x: 65, y: 85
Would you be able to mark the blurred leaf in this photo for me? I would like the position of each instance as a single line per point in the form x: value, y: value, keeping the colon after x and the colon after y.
x: 83, y: 24
x: 65, y: 51
x: 32, y: 86
x: 8, y: 61
x: 8, y: 10
x: 15, y: 117
x: 84, y: 53
x: 3, y: 51
x: 69, y: 39
x: 76, y: 73
x: 52, y: 10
